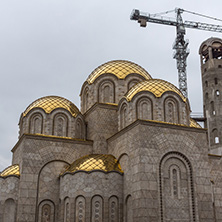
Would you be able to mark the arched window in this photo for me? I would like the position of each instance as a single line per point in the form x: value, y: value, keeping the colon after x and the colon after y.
x: 67, y: 211
x: 60, y: 125
x: 80, y: 209
x: 86, y: 99
x: 36, y: 122
x: 213, y: 112
x: 123, y: 116
x: 171, y: 111
x: 144, y: 109
x: 215, y: 136
x: 206, y: 83
x: 217, y: 92
x: 106, y: 92
x: 46, y: 213
x: 176, y: 188
x: 9, y: 211
x: 113, y: 209
x: 79, y: 129
x: 215, y: 81
x: 129, y: 209
x: 97, y: 209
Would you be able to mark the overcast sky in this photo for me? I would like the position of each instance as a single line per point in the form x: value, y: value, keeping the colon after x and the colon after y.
x: 49, y: 47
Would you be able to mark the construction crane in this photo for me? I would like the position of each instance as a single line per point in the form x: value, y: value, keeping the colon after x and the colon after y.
x: 180, y: 45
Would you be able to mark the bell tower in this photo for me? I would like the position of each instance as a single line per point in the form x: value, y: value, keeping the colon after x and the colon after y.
x: 211, y: 70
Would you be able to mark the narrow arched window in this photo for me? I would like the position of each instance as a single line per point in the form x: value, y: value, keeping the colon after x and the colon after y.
x: 123, y: 117
x: 60, y: 125
x: 106, y: 92
x: 97, y: 209
x: 36, y: 124
x: 213, y: 112
x: 217, y: 92
x: 144, y: 109
x: 80, y: 209
x: 206, y: 83
x: 215, y: 81
x: 171, y: 112
x: 46, y: 213
x: 113, y: 209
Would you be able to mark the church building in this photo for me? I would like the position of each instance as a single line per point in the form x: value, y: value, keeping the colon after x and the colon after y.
x: 132, y: 153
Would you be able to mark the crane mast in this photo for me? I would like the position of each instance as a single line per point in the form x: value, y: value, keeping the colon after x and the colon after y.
x: 180, y: 46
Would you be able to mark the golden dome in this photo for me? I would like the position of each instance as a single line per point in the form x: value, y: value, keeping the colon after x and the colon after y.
x: 194, y: 124
x: 120, y: 68
x: 49, y: 103
x: 91, y: 162
x: 11, y: 170
x: 155, y: 86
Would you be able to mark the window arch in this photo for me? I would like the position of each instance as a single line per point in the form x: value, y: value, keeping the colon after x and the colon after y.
x: 79, y: 129
x: 9, y: 211
x: 176, y: 188
x: 215, y: 137
x: 80, y: 209
x: 171, y: 113
x: 213, y: 112
x: 67, y: 210
x: 97, y: 209
x: 129, y: 209
x: 123, y: 116
x: 113, y: 209
x: 215, y: 81
x: 36, y: 124
x: 60, y: 125
x: 144, y: 109
x: 86, y: 99
x: 46, y: 211
x: 106, y: 92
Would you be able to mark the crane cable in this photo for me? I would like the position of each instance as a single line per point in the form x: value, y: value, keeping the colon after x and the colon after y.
x: 161, y: 13
x: 205, y: 16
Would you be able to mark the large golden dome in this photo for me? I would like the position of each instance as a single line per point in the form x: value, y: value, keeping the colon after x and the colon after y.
x: 155, y: 86
x: 50, y: 103
x: 119, y: 68
x: 91, y: 162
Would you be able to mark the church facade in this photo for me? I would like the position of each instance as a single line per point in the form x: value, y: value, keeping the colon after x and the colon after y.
x: 132, y: 153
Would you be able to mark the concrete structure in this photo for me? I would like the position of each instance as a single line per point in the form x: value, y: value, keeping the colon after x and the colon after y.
x: 132, y: 153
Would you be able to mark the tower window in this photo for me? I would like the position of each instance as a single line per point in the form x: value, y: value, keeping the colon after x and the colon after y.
x: 219, y: 66
x: 216, y: 139
x: 217, y: 92
x: 215, y: 81
x: 206, y: 96
x: 206, y: 83
x: 212, y: 108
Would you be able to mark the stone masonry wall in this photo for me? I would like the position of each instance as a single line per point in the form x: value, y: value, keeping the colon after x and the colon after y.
x: 146, y: 143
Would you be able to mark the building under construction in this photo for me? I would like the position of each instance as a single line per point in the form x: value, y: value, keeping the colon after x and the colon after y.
x: 132, y: 152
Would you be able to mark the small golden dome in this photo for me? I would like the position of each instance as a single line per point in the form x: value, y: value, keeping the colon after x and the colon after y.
x: 119, y: 68
x: 49, y: 103
x: 91, y: 162
x: 194, y: 124
x: 155, y: 86
x: 11, y: 170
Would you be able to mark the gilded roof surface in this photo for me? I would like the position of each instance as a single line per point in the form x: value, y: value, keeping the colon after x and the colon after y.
x: 49, y: 103
x: 155, y: 86
x: 193, y: 123
x: 11, y: 170
x: 120, y: 68
x: 95, y: 162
